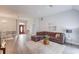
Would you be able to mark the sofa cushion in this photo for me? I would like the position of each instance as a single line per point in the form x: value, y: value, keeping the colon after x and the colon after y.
x: 36, y: 38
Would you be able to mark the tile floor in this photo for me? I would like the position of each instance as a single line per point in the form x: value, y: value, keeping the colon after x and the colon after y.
x: 71, y: 49
x: 11, y: 49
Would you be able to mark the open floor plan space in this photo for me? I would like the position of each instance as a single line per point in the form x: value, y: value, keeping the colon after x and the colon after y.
x: 39, y: 29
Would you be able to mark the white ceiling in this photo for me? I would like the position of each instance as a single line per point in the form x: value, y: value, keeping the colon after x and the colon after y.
x: 34, y: 10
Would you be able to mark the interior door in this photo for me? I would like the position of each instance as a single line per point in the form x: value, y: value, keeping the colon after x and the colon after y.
x: 21, y: 29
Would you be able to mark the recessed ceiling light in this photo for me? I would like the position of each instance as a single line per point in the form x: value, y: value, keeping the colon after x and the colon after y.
x: 4, y: 21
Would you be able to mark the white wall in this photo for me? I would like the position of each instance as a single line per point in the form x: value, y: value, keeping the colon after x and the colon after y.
x: 35, y: 26
x: 7, y: 24
x: 62, y: 21
x: 30, y: 25
x: 66, y: 19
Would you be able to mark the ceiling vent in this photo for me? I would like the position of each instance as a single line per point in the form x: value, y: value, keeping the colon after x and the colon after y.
x: 50, y: 5
x: 41, y: 18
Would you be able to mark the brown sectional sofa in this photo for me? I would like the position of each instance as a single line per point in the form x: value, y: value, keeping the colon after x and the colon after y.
x: 54, y: 36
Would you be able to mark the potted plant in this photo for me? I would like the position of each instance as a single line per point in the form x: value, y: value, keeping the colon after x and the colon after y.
x: 46, y: 40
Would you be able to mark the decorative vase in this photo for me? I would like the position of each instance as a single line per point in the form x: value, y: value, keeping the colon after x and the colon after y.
x: 45, y: 42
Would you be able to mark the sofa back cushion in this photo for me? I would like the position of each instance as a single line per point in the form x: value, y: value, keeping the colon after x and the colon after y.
x: 54, y: 36
x: 36, y: 38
